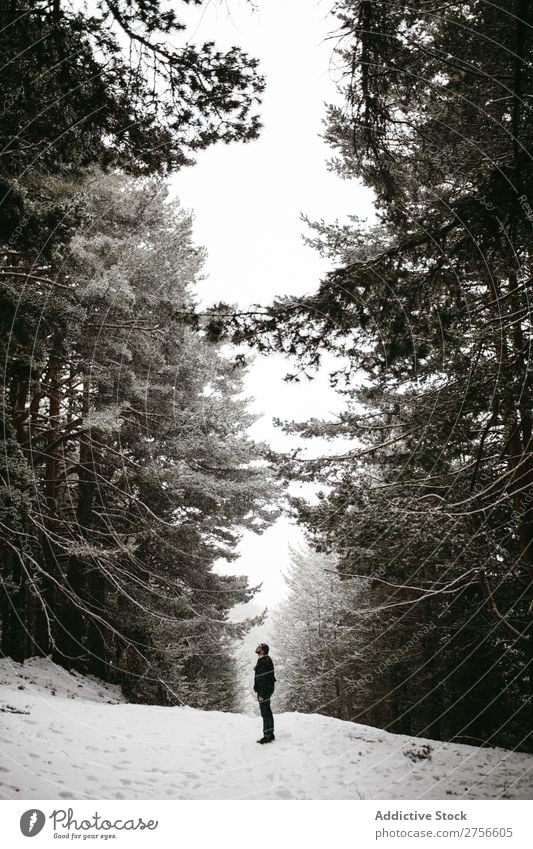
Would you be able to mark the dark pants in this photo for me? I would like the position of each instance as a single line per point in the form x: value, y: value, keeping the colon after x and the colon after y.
x: 268, y: 719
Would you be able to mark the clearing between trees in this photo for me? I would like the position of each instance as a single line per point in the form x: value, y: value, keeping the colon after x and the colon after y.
x: 65, y: 736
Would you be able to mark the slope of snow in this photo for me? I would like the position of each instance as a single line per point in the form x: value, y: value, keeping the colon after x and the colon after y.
x: 64, y: 736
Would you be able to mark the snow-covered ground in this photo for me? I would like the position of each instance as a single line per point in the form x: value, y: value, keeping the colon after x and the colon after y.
x: 64, y: 736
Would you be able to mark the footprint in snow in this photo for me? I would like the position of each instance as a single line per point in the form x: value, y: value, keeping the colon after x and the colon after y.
x: 284, y: 793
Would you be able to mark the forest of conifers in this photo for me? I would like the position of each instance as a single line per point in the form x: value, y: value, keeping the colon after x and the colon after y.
x: 127, y: 469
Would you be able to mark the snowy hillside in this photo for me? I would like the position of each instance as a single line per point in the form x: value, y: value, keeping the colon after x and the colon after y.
x: 64, y: 736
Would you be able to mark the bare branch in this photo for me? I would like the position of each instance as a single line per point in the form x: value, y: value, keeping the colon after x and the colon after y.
x: 491, y: 604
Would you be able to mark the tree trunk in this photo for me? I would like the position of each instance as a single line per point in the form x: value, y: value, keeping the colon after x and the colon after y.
x: 52, y: 448
x: 13, y: 609
x: 72, y: 631
x: 96, y: 645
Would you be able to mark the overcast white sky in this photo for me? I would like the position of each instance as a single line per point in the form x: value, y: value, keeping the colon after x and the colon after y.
x: 248, y: 199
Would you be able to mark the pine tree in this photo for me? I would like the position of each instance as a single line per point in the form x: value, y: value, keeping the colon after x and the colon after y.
x: 431, y: 305
x: 143, y: 475
x: 319, y: 634
x: 432, y: 663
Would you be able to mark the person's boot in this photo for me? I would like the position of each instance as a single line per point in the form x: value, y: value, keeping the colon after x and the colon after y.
x: 266, y: 739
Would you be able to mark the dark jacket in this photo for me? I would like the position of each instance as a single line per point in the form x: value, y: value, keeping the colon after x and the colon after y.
x: 264, y: 677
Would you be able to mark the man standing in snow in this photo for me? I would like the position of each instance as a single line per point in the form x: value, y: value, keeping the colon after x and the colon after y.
x: 264, y: 687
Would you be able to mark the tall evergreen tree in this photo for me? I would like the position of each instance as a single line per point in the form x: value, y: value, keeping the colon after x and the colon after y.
x: 432, y: 304
x: 431, y: 307
x: 142, y: 473
x: 95, y: 353
x: 320, y: 637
